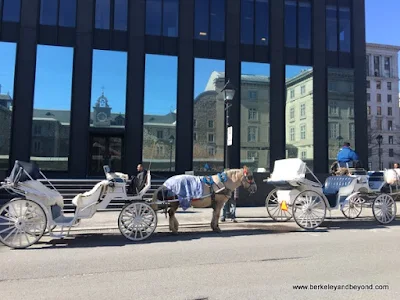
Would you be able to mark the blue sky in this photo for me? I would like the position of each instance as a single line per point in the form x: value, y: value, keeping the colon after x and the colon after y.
x: 54, y: 68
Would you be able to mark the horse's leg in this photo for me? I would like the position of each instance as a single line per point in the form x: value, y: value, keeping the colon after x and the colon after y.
x: 218, y: 203
x: 173, y: 222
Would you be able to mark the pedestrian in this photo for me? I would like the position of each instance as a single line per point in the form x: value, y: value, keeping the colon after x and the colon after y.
x: 230, y: 206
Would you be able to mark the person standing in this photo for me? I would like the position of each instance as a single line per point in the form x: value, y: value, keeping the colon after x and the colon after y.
x: 231, y: 206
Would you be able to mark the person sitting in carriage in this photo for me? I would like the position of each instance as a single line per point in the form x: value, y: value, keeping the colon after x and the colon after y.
x: 347, y: 157
x: 138, y: 181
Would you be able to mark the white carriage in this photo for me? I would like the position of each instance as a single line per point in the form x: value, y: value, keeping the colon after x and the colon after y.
x: 24, y: 220
x: 308, y: 200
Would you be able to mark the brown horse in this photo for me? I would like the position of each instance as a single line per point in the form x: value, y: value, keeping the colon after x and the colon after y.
x: 214, y: 195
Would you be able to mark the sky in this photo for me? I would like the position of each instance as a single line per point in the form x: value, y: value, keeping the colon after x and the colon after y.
x: 54, y: 68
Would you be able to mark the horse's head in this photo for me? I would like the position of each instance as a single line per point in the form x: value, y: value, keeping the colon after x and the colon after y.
x: 244, y: 177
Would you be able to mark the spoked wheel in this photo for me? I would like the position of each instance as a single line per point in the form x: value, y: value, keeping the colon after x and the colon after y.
x: 353, y: 208
x: 274, y: 208
x: 137, y: 221
x: 22, y: 223
x: 309, y: 209
x: 384, y: 209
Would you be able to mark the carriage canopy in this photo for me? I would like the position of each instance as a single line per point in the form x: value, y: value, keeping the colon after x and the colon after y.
x: 30, y: 168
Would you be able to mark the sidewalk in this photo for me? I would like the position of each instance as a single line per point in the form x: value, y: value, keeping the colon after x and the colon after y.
x: 107, y: 220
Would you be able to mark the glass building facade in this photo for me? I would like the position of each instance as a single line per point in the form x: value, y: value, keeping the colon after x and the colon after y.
x: 141, y: 81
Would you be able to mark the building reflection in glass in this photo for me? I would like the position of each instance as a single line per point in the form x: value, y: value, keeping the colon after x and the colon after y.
x: 340, y: 110
x: 159, y: 127
x: 209, y: 115
x: 52, y: 108
x: 255, y: 116
x: 7, y: 62
x: 299, y: 114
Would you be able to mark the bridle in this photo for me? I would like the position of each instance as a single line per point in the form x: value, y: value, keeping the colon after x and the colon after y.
x: 248, y: 178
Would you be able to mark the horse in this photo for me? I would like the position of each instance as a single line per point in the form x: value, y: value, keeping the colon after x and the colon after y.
x: 216, y: 190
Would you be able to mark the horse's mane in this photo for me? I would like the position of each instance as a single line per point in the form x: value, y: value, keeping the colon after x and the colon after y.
x: 233, y: 172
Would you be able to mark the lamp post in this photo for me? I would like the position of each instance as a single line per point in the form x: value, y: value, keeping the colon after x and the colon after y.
x: 229, y: 92
x: 379, y: 139
x: 340, y: 139
x: 171, y: 142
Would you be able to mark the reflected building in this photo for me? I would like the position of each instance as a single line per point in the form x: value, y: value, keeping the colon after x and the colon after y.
x: 304, y: 116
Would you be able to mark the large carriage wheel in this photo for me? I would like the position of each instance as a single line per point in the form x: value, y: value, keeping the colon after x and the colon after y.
x: 353, y: 208
x: 309, y: 209
x: 22, y: 223
x: 384, y: 209
x: 274, y: 208
x: 137, y: 221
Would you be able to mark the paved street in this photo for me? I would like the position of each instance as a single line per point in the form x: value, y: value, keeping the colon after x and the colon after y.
x: 253, y: 259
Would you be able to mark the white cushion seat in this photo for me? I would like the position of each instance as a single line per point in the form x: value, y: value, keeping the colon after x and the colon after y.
x: 90, y: 197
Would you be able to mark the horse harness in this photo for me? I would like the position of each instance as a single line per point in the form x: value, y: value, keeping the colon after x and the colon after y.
x: 209, y: 181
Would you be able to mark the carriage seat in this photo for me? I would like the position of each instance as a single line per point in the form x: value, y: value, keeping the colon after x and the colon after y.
x: 90, y: 197
x: 335, y: 183
x: 35, y: 190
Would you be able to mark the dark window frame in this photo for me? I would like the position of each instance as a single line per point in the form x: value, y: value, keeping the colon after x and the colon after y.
x: 2, y: 11
x: 254, y: 29
x: 161, y: 26
x: 57, y: 13
x: 111, y: 16
x: 338, y: 4
x: 350, y: 6
x: 209, y: 28
x: 297, y: 44
x: 57, y: 24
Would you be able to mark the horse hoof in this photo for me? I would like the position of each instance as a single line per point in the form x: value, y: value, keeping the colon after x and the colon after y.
x: 217, y: 230
x: 174, y: 233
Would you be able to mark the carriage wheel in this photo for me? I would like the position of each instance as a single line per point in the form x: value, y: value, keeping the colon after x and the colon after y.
x: 309, y: 209
x: 22, y: 223
x: 384, y: 209
x: 274, y: 208
x: 137, y: 221
x: 353, y: 208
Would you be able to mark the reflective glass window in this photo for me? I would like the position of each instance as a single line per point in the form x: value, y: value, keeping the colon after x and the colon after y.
x: 11, y: 10
x: 344, y: 29
x: 170, y: 18
x: 67, y: 13
x: 290, y: 23
x: 305, y: 25
x: 102, y: 14
x: 7, y: 63
x: 160, y: 112
x: 201, y: 19
x: 48, y: 12
x: 51, y: 119
x: 153, y: 17
x: 121, y: 15
x: 299, y: 113
x: 262, y: 22
x: 247, y: 22
x: 331, y: 28
x: 217, y: 20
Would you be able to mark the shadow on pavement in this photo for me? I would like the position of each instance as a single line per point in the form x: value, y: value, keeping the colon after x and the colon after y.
x: 115, y: 239
x: 91, y: 240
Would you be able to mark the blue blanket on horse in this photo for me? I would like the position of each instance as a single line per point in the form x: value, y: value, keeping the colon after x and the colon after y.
x: 186, y: 187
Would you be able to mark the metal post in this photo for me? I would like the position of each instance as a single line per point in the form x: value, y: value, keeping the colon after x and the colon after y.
x: 170, y: 156
x: 226, y: 139
x: 380, y: 163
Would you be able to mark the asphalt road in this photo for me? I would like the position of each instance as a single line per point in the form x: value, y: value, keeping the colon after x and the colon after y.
x: 252, y: 260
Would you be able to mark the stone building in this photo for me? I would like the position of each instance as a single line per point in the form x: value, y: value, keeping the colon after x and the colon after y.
x: 383, y: 106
